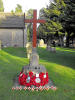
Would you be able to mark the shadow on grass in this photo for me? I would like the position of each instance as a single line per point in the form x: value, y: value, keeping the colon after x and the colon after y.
x: 63, y: 56
x: 18, y: 51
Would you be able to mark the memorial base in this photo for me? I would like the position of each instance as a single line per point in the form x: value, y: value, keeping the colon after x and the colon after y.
x: 33, y: 76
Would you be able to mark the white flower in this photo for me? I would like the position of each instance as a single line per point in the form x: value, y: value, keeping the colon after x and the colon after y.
x: 21, y: 75
x: 44, y: 76
x: 28, y: 79
x: 37, y: 75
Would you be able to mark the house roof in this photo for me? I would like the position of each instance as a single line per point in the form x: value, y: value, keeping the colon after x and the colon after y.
x: 12, y: 20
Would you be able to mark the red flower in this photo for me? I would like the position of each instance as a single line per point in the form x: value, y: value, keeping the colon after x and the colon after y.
x: 44, y: 78
x: 30, y: 73
x: 30, y: 79
x: 22, y: 78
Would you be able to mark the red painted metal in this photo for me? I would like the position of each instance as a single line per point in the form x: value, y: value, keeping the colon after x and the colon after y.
x: 34, y: 21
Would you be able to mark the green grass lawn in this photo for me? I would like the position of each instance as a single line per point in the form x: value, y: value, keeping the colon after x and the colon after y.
x: 60, y: 66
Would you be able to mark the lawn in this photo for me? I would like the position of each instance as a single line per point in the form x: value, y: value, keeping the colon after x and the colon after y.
x: 60, y: 66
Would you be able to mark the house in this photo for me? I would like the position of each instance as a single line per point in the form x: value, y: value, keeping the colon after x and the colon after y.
x: 12, y: 29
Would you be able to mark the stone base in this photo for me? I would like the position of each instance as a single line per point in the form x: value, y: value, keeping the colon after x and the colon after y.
x: 34, y: 69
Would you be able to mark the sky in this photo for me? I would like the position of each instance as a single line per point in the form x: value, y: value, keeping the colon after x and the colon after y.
x: 26, y: 4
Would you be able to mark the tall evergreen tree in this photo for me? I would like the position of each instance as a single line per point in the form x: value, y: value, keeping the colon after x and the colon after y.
x: 60, y: 16
x: 53, y: 25
x: 68, y: 20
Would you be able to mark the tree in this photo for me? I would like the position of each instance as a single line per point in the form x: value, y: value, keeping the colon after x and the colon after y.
x: 29, y: 14
x: 1, y: 6
x: 68, y: 20
x: 12, y: 11
x: 60, y: 16
x: 18, y: 9
x: 29, y: 26
x: 52, y: 25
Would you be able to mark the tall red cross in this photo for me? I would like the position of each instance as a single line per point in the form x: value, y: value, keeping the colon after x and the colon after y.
x: 34, y: 21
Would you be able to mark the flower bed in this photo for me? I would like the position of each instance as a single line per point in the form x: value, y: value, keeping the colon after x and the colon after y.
x: 30, y: 79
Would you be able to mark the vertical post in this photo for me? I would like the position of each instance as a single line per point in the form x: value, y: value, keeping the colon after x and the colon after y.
x: 0, y: 44
x: 23, y: 38
x: 34, y: 28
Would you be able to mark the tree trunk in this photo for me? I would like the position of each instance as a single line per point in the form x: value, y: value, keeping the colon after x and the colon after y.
x: 72, y: 41
x: 67, y: 39
x: 61, y: 41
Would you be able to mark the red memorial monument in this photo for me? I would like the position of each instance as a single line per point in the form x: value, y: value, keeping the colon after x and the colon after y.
x: 34, y: 21
x: 34, y: 76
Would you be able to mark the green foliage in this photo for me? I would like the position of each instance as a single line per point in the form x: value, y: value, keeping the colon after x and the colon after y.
x: 29, y: 14
x: 18, y: 9
x: 67, y: 19
x: 12, y: 11
x: 1, y: 6
x: 60, y: 18
x: 51, y: 14
x: 29, y: 26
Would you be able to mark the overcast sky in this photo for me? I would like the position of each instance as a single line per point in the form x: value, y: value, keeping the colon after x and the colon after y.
x: 26, y: 4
